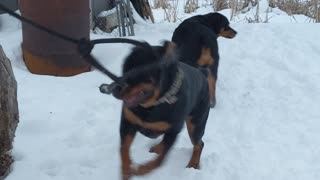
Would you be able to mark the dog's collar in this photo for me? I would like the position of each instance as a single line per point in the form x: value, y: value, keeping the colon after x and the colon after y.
x: 170, y: 96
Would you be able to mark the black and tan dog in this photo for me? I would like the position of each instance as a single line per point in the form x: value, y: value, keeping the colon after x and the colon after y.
x: 196, y: 38
x: 159, y: 101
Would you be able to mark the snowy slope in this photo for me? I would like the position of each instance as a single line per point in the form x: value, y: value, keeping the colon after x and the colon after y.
x: 265, y: 125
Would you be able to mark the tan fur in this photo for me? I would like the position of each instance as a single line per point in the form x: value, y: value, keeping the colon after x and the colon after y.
x: 206, y: 58
x: 152, y: 100
x: 212, y: 87
x: 227, y: 34
x: 159, y: 126
x: 195, y: 158
x: 197, y: 148
x: 125, y: 157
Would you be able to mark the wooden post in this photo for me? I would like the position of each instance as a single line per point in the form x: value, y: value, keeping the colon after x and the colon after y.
x: 9, y: 115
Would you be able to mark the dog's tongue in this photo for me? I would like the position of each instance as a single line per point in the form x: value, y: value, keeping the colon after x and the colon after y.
x: 134, y: 99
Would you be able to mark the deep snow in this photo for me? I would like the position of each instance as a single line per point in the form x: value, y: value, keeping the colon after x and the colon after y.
x: 265, y: 125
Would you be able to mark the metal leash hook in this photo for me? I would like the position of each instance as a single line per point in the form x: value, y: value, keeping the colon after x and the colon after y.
x: 85, y: 47
x: 109, y: 88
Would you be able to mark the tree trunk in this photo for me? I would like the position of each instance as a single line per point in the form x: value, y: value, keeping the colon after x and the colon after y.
x: 9, y: 115
x: 257, y: 16
x: 218, y: 5
x: 234, y: 6
x: 157, y: 4
x: 317, y: 14
x: 143, y: 9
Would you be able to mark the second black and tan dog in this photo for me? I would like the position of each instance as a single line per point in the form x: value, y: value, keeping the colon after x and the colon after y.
x: 159, y: 101
x: 196, y: 38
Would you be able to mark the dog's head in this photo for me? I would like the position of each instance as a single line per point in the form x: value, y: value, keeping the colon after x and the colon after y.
x: 220, y: 25
x: 142, y: 72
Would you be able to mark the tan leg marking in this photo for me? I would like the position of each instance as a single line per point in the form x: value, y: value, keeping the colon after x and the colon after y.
x: 212, y: 89
x: 152, y: 100
x: 205, y: 58
x: 195, y: 158
x: 197, y: 148
x: 125, y: 157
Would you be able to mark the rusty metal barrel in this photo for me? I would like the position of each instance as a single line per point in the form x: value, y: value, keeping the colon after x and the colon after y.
x: 46, y: 54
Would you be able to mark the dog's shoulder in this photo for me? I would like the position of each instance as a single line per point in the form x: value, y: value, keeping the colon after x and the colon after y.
x: 193, y: 77
x: 194, y: 84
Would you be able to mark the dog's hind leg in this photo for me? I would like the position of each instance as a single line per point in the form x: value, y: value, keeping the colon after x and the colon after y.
x: 197, y: 147
x: 195, y: 158
x: 196, y: 127
x: 206, y: 60
x: 212, y: 89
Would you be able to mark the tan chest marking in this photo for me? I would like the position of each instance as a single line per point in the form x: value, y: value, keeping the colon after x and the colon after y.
x: 155, y: 126
x: 152, y: 100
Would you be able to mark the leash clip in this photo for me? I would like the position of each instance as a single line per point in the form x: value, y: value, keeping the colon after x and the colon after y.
x: 108, y: 88
x: 85, y: 47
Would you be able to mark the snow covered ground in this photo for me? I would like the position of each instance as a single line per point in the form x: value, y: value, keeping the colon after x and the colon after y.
x: 265, y: 125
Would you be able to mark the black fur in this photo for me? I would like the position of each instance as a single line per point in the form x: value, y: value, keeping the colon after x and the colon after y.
x: 193, y: 100
x: 199, y: 32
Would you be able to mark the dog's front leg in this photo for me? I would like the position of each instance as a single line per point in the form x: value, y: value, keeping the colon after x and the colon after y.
x: 168, y: 141
x: 126, y: 142
x: 127, y: 134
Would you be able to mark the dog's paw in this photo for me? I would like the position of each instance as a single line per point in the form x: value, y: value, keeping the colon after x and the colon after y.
x: 146, y: 168
x: 143, y: 169
x: 212, y: 104
x: 125, y: 177
x: 194, y: 165
x: 127, y: 172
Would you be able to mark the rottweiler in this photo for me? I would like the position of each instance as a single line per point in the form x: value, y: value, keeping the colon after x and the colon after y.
x: 158, y: 101
x: 196, y: 38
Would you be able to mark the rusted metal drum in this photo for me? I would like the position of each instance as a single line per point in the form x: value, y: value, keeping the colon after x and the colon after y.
x: 47, y: 54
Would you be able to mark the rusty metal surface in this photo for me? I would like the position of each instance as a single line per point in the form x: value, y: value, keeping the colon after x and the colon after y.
x: 69, y: 17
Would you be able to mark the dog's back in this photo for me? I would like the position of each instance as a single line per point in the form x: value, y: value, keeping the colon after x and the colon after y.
x: 191, y: 36
x: 196, y: 38
x: 200, y: 31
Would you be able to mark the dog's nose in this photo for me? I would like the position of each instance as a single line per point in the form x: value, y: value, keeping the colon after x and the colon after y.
x: 233, y: 31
